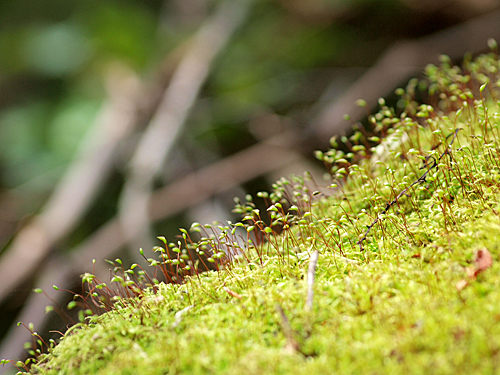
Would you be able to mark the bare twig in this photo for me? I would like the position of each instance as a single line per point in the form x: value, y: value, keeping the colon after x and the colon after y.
x: 56, y: 272
x: 77, y: 188
x: 31, y: 243
x: 402, y: 61
x: 160, y: 136
x: 179, y: 314
x: 232, y: 292
x: 310, y: 280
x: 291, y: 344
x: 225, y: 174
x: 419, y: 180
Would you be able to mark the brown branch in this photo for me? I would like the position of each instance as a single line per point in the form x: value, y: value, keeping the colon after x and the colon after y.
x: 291, y: 344
x: 31, y: 244
x: 164, y: 128
x: 77, y: 188
x: 402, y: 61
x: 225, y: 174
x: 418, y: 181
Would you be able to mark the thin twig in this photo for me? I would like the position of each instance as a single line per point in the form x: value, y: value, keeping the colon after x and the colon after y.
x: 400, y: 62
x: 419, y: 180
x: 160, y: 136
x: 310, y: 280
x: 232, y: 292
x: 77, y: 188
x: 179, y: 314
x: 291, y: 344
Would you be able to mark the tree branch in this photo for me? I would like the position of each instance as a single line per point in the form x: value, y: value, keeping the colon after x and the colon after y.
x: 158, y: 139
x: 77, y: 188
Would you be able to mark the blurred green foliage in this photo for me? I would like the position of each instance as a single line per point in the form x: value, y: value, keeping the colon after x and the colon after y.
x: 53, y: 55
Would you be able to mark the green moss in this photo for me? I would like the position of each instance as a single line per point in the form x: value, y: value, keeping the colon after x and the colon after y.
x: 394, y: 298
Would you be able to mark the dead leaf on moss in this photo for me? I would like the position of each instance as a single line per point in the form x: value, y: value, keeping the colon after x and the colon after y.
x: 482, y: 261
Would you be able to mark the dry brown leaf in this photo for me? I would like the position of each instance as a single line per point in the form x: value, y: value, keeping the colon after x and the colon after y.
x: 483, y: 260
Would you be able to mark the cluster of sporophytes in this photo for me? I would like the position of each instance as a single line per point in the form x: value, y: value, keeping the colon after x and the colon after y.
x: 400, y: 251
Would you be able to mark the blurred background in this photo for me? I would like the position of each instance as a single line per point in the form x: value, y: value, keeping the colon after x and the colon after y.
x: 124, y: 120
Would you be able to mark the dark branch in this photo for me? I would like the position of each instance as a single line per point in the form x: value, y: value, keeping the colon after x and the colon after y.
x: 419, y: 180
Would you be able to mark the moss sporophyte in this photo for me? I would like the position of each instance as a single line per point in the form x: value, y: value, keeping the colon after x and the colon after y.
x: 392, y: 269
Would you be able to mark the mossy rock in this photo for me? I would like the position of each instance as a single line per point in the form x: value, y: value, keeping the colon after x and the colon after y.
x: 407, y: 280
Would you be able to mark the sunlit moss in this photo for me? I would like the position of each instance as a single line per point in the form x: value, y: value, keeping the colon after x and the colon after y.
x: 397, y: 232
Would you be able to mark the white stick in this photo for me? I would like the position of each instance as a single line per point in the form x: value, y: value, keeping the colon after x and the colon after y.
x: 310, y: 280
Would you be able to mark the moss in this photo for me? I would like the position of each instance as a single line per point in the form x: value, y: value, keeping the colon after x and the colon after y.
x: 393, y: 293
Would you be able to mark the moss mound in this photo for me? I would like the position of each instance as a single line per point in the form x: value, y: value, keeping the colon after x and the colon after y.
x: 407, y: 275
